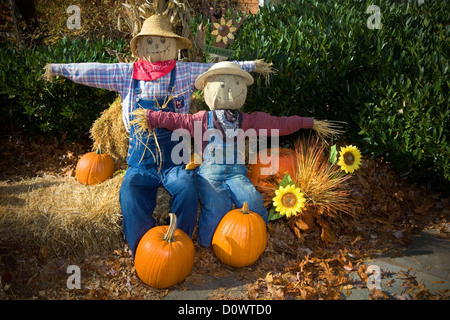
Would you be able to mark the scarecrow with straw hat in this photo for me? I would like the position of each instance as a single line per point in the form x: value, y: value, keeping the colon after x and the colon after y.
x: 221, y: 178
x: 156, y: 81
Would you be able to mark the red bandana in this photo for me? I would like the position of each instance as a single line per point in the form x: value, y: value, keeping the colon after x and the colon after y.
x: 147, y: 71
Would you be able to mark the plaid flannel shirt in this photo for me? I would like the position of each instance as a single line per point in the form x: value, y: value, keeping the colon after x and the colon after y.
x: 119, y: 77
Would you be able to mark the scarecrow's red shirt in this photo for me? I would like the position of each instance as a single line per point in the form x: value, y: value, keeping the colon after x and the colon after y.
x: 262, y: 123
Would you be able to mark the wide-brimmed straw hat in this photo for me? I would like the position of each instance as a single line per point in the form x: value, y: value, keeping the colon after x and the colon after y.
x: 159, y: 26
x: 224, y: 67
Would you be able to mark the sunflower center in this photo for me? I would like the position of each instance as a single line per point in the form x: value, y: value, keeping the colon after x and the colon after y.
x: 349, y: 158
x: 289, y: 200
x: 224, y: 30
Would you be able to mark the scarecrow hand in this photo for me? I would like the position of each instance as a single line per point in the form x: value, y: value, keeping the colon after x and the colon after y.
x: 265, y: 69
x: 141, y: 120
x: 47, y: 75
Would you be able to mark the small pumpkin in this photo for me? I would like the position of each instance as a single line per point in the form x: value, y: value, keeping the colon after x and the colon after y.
x: 94, y: 167
x: 164, y: 255
x: 287, y: 163
x: 240, y: 238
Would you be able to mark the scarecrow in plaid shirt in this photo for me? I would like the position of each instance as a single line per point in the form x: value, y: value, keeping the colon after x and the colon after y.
x: 221, y: 178
x: 157, y: 79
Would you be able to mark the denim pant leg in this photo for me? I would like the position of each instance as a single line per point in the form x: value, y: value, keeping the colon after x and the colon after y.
x: 138, y: 200
x: 180, y: 183
x: 242, y: 190
x: 215, y: 198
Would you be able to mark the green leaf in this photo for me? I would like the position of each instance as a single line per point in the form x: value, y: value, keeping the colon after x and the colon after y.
x: 287, y: 180
x: 333, y: 154
x: 274, y: 215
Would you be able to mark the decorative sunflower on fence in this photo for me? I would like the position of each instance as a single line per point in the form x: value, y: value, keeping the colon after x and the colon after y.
x: 223, y: 30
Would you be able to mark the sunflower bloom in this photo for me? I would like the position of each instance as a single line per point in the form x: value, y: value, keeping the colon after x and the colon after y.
x: 223, y: 30
x: 289, y: 200
x: 350, y: 159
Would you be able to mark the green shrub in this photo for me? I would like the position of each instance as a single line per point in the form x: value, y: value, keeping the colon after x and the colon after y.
x: 58, y: 107
x: 390, y: 84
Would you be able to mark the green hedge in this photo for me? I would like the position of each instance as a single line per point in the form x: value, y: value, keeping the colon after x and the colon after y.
x: 58, y: 107
x: 390, y: 84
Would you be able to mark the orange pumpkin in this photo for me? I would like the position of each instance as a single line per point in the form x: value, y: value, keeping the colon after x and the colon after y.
x: 94, y: 167
x: 240, y: 237
x: 287, y: 163
x: 164, y: 256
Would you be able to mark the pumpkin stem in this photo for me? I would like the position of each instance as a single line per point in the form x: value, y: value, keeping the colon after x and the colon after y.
x: 245, y: 208
x: 169, y: 236
x: 99, y: 150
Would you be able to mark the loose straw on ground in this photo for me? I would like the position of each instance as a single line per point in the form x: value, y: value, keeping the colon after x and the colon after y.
x: 64, y: 217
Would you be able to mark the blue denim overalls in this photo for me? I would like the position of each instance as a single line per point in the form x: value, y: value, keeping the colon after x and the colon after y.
x: 222, y: 181
x: 150, y: 168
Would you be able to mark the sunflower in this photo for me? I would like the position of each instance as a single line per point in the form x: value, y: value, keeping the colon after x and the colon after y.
x: 289, y: 200
x: 223, y: 30
x: 350, y: 159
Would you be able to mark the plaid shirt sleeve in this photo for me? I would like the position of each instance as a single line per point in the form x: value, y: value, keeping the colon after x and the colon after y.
x: 110, y: 76
x: 284, y: 125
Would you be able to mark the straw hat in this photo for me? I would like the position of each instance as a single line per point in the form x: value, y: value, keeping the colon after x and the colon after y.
x: 159, y: 26
x: 224, y: 67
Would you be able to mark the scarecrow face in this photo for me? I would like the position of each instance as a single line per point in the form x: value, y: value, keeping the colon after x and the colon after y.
x: 154, y: 49
x: 225, y: 91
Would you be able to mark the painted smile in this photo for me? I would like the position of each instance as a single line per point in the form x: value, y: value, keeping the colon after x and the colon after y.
x: 158, y: 52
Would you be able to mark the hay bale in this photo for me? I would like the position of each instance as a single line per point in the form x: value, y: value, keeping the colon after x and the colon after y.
x: 108, y: 132
x: 66, y: 217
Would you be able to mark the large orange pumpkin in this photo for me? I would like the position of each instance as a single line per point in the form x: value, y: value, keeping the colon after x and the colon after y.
x: 240, y: 237
x: 94, y: 167
x: 287, y: 164
x: 164, y: 256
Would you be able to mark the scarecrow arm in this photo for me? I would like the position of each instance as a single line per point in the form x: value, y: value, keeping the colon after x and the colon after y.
x: 173, y: 121
x: 284, y: 125
x: 110, y: 76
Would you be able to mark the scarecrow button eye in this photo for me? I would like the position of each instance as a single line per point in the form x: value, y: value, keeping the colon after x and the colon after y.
x: 149, y: 41
x: 163, y: 40
x: 222, y: 84
x: 237, y: 81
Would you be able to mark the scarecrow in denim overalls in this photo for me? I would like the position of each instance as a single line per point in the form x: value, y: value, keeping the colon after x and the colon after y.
x: 157, y: 81
x: 221, y: 178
